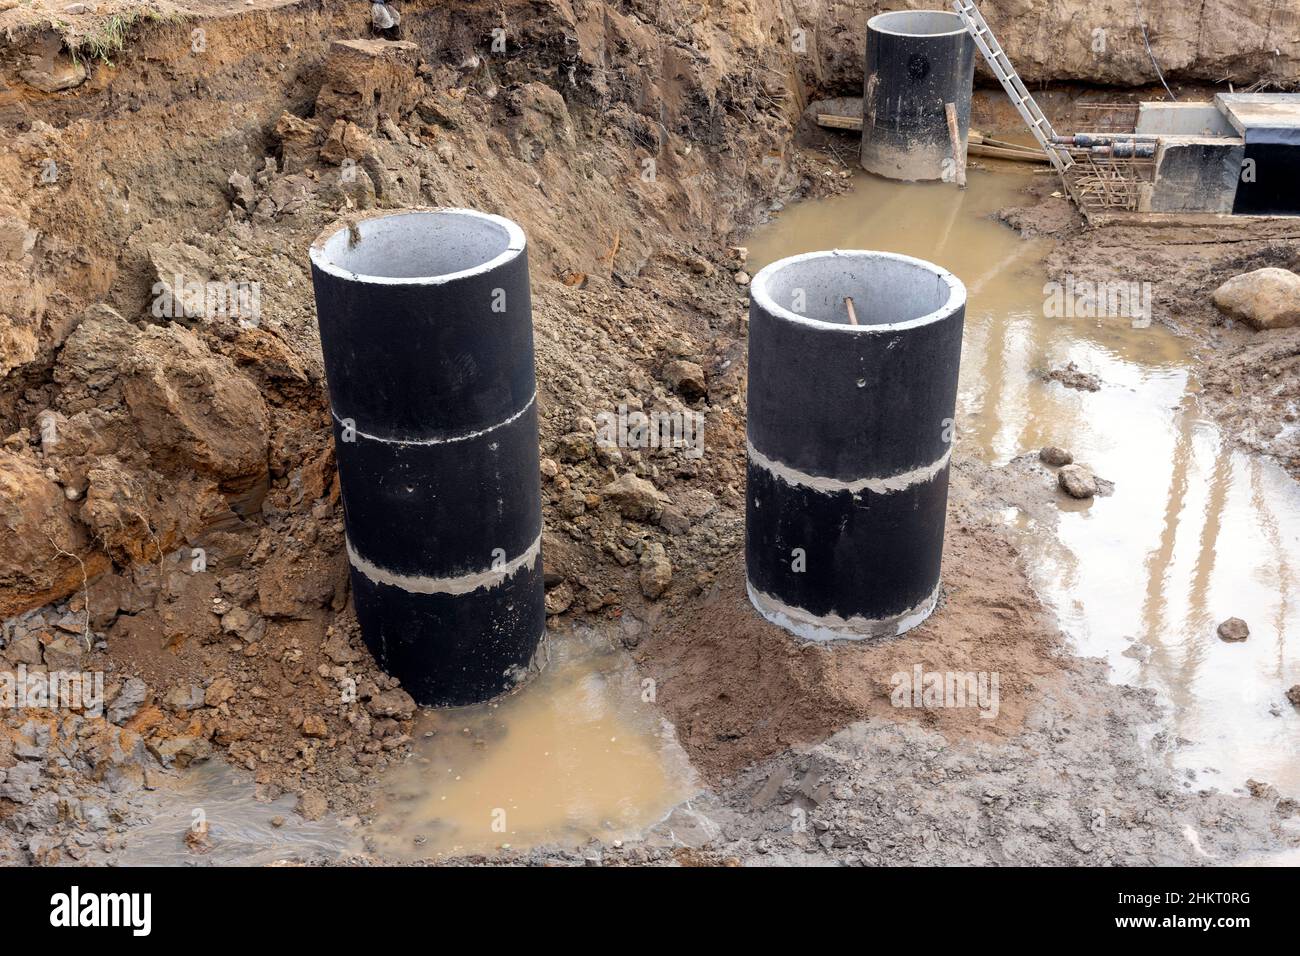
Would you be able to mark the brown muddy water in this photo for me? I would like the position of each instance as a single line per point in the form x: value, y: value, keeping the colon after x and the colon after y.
x: 1194, y: 533
x: 578, y: 752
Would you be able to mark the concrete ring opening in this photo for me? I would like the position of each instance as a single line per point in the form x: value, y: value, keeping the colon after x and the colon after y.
x: 889, y: 291
x: 428, y: 246
x: 917, y: 23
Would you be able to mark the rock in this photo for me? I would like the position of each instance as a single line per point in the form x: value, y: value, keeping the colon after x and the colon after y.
x: 1233, y: 629
x: 1054, y: 456
x: 182, y: 272
x: 549, y: 469
x: 19, y: 781
x: 635, y: 497
x: 38, y: 538
x: 576, y: 446
x: 559, y: 598
x: 238, y: 621
x: 219, y: 691
x: 16, y: 237
x: 1077, y: 481
x: 313, y: 725
x: 538, y: 120
x: 1293, y: 695
x: 363, y: 78
x: 52, y: 70
x: 674, y: 521
x: 1264, y: 299
x: 686, y: 378
x: 299, y: 142
x: 346, y: 141
x: 128, y: 701
x: 741, y: 277
x: 64, y: 653
x: 656, y: 571
x: 245, y: 193
x: 339, y: 650
x: 393, y: 703
x: 312, y: 805
x: 25, y: 649
x: 181, y: 751
x: 184, y: 697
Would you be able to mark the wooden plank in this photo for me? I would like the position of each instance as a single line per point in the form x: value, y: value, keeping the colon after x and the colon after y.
x: 1015, y: 155
x: 834, y: 121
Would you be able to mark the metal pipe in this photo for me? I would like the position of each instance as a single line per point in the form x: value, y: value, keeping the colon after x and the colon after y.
x: 916, y: 62
x: 849, y: 438
x: 426, y: 329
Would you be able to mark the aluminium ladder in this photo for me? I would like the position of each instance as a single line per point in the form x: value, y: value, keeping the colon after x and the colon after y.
x: 1001, y: 66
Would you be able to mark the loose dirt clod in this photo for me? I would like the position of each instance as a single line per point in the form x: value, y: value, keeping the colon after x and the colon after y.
x: 1233, y: 629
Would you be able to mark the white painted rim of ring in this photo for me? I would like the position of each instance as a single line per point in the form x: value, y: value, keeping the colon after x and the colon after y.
x: 956, y: 292
x: 874, y: 23
x: 515, y: 244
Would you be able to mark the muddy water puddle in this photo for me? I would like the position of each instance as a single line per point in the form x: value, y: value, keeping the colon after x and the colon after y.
x: 579, y: 752
x: 1194, y: 532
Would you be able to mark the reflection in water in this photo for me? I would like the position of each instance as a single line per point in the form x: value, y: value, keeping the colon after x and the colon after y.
x: 576, y: 753
x: 1194, y: 533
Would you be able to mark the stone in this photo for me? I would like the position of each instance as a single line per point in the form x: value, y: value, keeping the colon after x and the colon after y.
x: 338, y: 649
x: 686, y: 378
x: 393, y: 703
x: 313, y: 725
x: 19, y: 781
x: 1293, y: 695
x: 64, y: 653
x: 238, y: 621
x: 312, y: 805
x: 635, y: 497
x: 24, y: 649
x: 674, y: 521
x: 16, y: 237
x: 128, y: 701
x: 184, y: 697
x: 1077, y: 481
x: 181, y: 751
x: 53, y: 71
x: 1233, y: 629
x: 559, y: 599
x: 1055, y: 456
x: 245, y: 193
x: 219, y: 691
x: 363, y: 78
x: 741, y: 277
x: 1071, y: 376
x: 1264, y: 299
x: 576, y: 446
x: 656, y: 571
